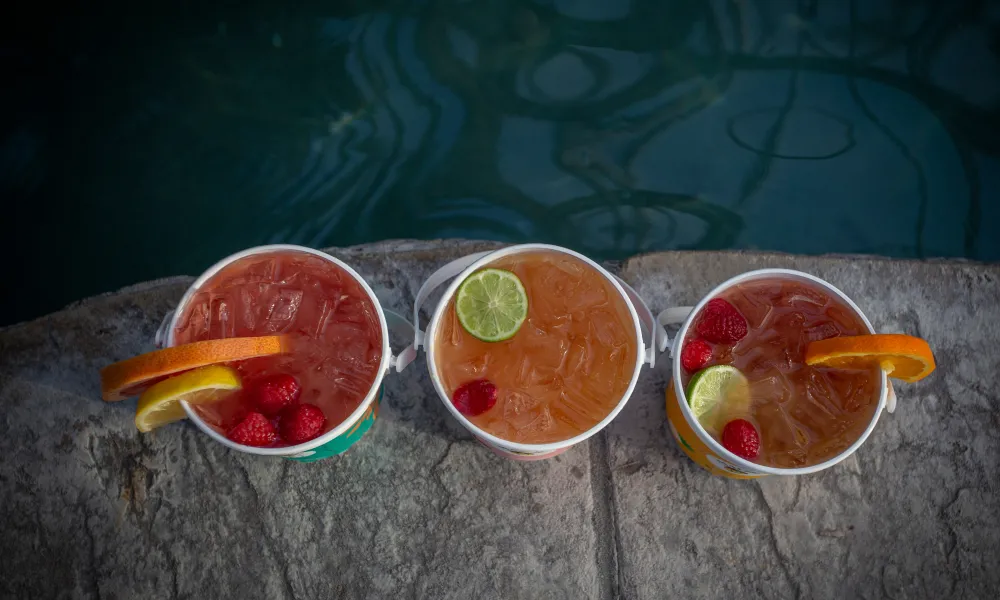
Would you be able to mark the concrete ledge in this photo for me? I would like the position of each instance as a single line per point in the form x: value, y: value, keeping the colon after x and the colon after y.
x: 89, y: 508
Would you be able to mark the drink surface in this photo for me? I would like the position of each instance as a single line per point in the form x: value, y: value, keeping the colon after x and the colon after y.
x: 334, y: 327
x: 805, y: 415
x: 568, y: 365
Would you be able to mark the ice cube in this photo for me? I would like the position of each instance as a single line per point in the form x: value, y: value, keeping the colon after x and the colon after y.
x: 819, y: 388
x: 586, y: 297
x: 562, y: 280
x: 789, y: 323
x: 542, y: 423
x: 581, y: 407
x: 782, y: 439
x: 605, y: 329
x: 262, y: 271
x: 223, y: 324
x: 326, y: 309
x: 771, y: 386
x: 821, y: 331
x: 847, y: 323
x: 520, y: 409
x: 473, y: 367
x: 578, y: 360
x: 247, y: 310
x: 814, y: 416
x: 544, y: 353
x: 853, y: 390
x: 280, y: 309
x: 756, y: 310
x: 570, y: 266
x: 345, y: 376
x: 804, y: 298
x: 756, y: 360
x: 197, y: 324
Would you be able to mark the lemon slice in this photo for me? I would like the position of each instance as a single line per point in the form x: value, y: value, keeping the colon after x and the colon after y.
x: 161, y: 403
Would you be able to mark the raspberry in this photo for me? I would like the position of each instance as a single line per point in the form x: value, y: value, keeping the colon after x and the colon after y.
x: 254, y: 430
x: 741, y: 438
x: 721, y: 323
x: 273, y: 393
x: 301, y: 423
x: 695, y: 355
x: 475, y: 397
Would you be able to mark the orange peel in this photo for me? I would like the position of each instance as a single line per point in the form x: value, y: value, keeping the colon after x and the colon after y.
x: 902, y: 357
x: 132, y: 376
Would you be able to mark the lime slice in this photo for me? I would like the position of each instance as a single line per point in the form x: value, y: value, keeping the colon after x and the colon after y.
x: 715, y: 391
x: 492, y: 304
x: 161, y: 404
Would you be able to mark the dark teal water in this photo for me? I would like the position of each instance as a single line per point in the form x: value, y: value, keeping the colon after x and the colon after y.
x: 145, y: 141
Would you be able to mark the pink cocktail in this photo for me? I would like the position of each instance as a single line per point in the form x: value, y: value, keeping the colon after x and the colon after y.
x: 332, y: 323
x: 805, y: 415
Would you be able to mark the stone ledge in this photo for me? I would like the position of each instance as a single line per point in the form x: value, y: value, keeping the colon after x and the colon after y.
x: 419, y: 509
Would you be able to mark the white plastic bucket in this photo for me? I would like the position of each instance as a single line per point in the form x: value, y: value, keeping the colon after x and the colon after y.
x: 344, y: 435
x: 701, y: 447
x: 462, y: 268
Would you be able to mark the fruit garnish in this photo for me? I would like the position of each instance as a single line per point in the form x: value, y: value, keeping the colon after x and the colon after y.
x: 721, y: 323
x: 740, y: 437
x: 271, y: 394
x: 695, y: 355
x: 301, y: 423
x: 133, y: 376
x: 161, y: 403
x: 475, y: 397
x: 254, y: 430
x: 491, y: 305
x: 902, y: 357
x: 712, y: 389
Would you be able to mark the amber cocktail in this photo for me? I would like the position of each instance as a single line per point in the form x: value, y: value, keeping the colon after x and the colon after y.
x: 564, y: 371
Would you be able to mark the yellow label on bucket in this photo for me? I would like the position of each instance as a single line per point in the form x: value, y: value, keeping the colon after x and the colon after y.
x: 694, y: 447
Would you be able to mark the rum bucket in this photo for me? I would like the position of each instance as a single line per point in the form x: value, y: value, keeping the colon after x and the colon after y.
x: 692, y: 438
x: 642, y: 320
x: 344, y: 435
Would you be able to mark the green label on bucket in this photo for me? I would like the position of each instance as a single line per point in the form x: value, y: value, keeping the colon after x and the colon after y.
x: 341, y: 443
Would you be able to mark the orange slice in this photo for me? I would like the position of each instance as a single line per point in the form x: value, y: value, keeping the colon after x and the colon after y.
x: 133, y: 376
x: 902, y: 357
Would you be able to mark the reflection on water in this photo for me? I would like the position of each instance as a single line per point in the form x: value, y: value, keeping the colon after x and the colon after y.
x: 137, y: 147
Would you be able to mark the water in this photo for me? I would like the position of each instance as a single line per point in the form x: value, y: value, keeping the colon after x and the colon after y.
x: 147, y: 144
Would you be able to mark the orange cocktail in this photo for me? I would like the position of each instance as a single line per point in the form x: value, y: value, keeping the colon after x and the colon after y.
x: 564, y: 370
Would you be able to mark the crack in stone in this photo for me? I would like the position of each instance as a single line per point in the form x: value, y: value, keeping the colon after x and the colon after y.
x: 95, y: 575
x: 605, y: 521
x: 268, y: 540
x: 435, y: 472
x: 769, y: 512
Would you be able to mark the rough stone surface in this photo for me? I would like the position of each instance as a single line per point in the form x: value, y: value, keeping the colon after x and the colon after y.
x: 418, y: 509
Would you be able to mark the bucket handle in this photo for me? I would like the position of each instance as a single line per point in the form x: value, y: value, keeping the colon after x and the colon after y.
x: 657, y: 334
x: 672, y: 316
x: 678, y: 314
x: 455, y: 267
x: 394, y: 320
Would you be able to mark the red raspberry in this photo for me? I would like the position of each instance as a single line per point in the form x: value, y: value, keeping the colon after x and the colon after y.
x: 695, y: 355
x: 254, y: 430
x: 475, y: 397
x: 721, y: 323
x: 301, y: 423
x: 273, y: 393
x: 741, y: 438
